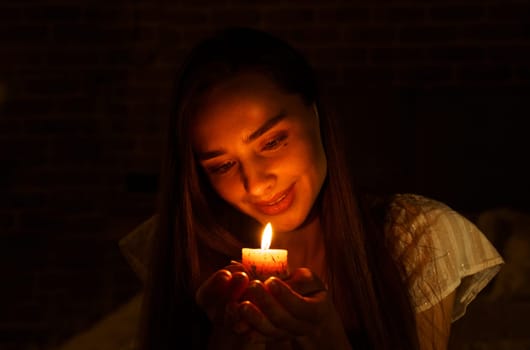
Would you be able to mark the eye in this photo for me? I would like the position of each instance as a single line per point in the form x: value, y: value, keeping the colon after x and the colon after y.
x: 274, y: 143
x: 221, y: 169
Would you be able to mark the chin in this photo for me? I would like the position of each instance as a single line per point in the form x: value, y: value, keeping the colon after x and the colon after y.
x: 290, y: 220
x: 282, y: 228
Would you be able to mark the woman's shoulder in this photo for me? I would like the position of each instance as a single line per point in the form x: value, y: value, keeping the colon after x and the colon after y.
x: 412, y: 205
x: 439, y: 248
x: 427, y: 222
x: 427, y: 218
x: 413, y: 214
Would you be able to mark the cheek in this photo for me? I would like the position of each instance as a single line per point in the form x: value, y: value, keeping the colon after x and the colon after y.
x: 314, y: 158
x: 226, y: 188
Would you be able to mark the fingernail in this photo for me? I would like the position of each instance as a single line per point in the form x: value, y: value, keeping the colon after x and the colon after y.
x: 274, y: 286
x: 255, y: 285
x: 239, y: 276
x: 245, y: 308
x: 225, y: 276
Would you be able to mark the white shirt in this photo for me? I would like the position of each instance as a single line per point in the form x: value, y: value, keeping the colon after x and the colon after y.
x: 442, y: 252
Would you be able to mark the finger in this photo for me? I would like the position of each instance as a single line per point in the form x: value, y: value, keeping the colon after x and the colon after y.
x: 235, y: 266
x: 305, y: 282
x: 222, y: 286
x: 237, y: 285
x: 212, y: 290
x: 275, y: 313
x: 310, y: 307
x: 235, y: 262
x: 233, y: 320
x: 261, y: 327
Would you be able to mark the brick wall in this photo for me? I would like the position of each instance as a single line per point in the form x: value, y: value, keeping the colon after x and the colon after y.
x: 83, y: 95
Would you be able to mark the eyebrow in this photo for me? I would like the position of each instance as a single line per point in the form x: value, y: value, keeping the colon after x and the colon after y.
x: 210, y: 154
x: 269, y: 124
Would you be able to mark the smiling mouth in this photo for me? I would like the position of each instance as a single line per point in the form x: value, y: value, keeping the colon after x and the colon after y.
x: 278, y: 204
x: 277, y: 200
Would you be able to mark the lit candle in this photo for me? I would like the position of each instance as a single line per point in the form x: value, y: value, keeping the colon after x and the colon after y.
x: 264, y: 263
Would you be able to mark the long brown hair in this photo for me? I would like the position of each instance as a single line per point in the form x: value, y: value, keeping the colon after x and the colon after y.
x: 194, y: 222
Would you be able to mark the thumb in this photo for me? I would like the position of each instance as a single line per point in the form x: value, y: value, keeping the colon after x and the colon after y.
x: 305, y: 282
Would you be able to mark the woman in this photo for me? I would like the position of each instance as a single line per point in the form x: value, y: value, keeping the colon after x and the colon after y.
x: 248, y: 144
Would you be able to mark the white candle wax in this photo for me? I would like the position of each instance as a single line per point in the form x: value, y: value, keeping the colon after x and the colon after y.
x: 264, y: 263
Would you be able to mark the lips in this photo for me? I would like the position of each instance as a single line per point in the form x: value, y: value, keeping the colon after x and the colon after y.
x: 278, y: 204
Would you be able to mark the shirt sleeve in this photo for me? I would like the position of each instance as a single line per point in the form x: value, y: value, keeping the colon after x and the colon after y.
x: 442, y: 252
x: 136, y: 247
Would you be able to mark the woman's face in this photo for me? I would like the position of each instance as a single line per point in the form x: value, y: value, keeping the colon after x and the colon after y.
x: 261, y: 149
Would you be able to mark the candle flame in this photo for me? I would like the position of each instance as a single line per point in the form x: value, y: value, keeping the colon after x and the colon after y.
x: 266, y: 237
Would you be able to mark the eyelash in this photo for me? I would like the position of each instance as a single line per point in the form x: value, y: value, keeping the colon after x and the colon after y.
x: 270, y: 145
x: 221, y: 169
x: 274, y: 143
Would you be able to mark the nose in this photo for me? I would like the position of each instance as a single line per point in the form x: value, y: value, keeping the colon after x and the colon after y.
x: 257, y: 179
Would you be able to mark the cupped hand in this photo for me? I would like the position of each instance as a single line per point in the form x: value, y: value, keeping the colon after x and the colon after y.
x: 223, y: 287
x: 298, y: 309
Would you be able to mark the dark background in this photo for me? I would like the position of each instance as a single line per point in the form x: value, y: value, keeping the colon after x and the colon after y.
x: 434, y: 96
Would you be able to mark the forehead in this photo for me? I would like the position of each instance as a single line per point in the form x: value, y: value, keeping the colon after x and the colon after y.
x: 239, y: 105
x: 246, y: 90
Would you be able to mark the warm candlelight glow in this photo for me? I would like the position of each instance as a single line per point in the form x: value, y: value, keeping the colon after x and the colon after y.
x: 266, y: 237
x: 264, y: 263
